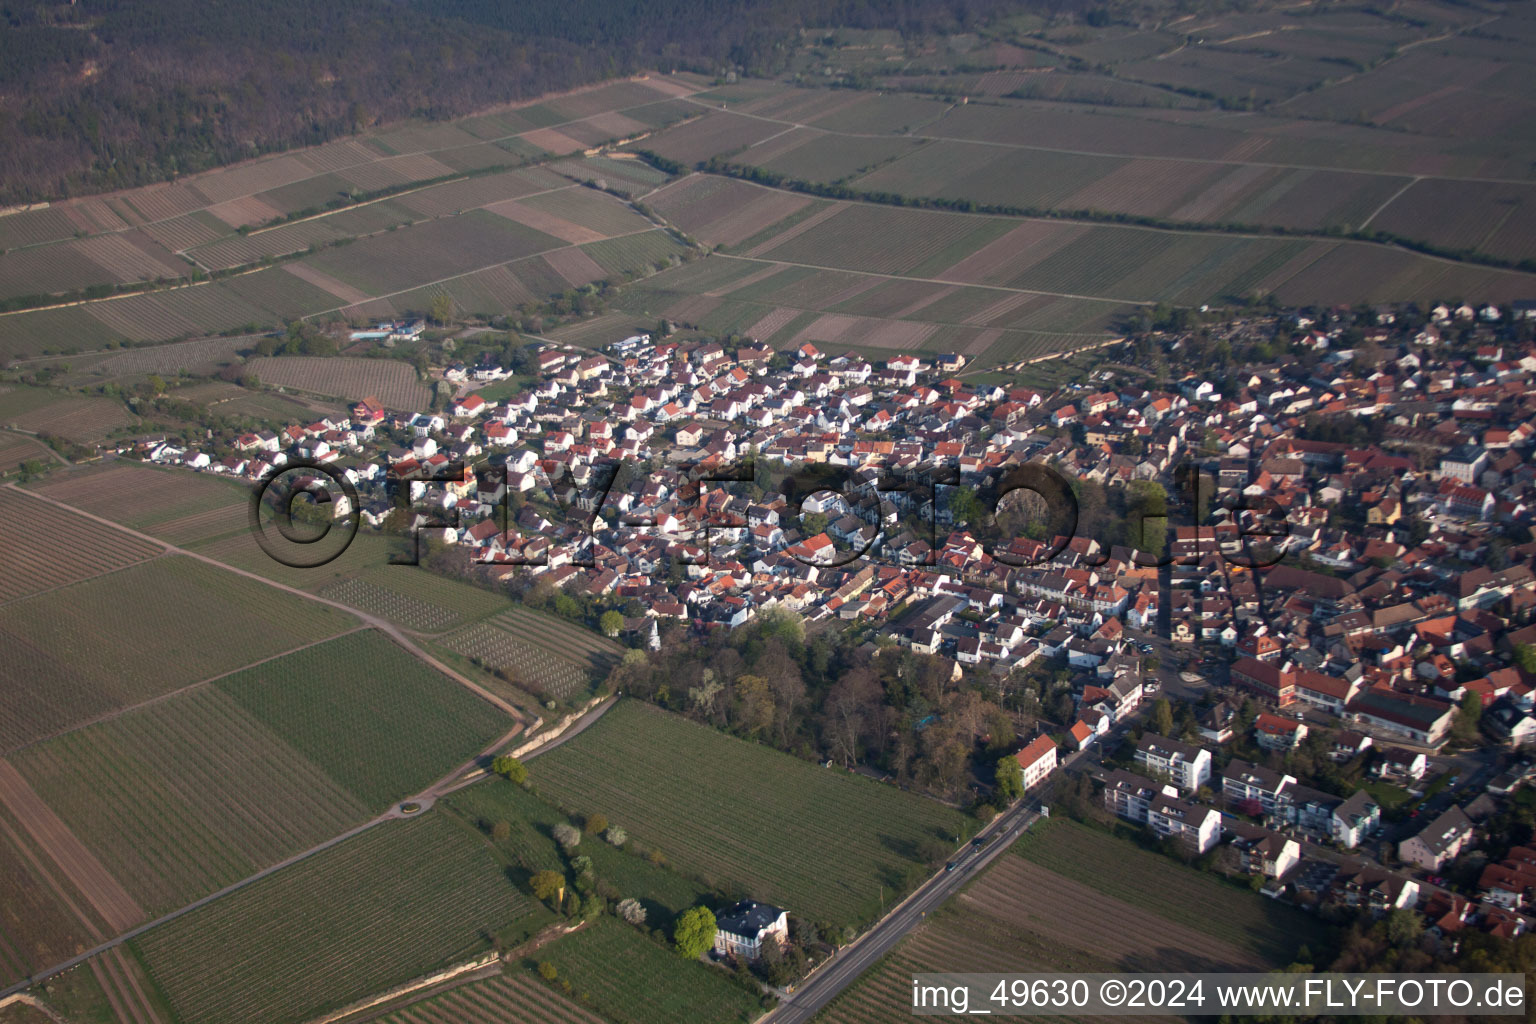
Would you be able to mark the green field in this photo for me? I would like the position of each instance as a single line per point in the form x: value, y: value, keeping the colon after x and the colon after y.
x: 663, y: 892
x: 187, y: 795
x: 392, y: 904
x: 1102, y: 905
x: 545, y: 655
x: 632, y: 979
x: 1179, y: 894
x: 378, y: 721
x: 171, y: 621
x: 745, y: 818
x: 415, y: 598
x: 505, y: 999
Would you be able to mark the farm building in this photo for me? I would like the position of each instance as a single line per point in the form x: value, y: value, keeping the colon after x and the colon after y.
x: 740, y: 930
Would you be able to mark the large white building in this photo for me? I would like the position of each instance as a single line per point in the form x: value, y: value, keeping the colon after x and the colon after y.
x: 1186, y: 766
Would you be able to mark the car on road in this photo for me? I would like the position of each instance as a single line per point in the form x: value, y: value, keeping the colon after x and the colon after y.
x: 1152, y: 686
x: 978, y: 843
x: 950, y: 866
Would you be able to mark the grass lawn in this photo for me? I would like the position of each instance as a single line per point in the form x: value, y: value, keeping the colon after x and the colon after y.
x: 663, y: 892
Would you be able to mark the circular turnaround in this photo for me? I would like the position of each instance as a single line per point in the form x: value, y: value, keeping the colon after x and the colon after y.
x: 284, y: 514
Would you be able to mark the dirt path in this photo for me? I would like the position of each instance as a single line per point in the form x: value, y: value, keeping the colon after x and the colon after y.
x: 459, y: 777
x: 34, y: 861
x: 388, y: 628
x: 94, y: 881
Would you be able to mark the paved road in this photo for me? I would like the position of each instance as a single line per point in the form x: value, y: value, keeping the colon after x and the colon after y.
x: 852, y: 961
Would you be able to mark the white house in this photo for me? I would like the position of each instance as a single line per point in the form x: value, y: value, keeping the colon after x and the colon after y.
x: 1187, y: 767
x: 1196, y: 825
x: 741, y: 930
x: 1038, y: 760
x: 1354, y: 819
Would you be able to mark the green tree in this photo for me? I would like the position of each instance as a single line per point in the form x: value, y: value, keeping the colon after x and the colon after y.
x: 1010, y: 778
x: 1525, y: 657
x: 611, y: 623
x: 694, y: 933
x: 501, y: 831
x: 964, y: 505
x: 442, y: 308
x: 548, y: 886
x: 510, y: 768
x: 1162, y: 717
x: 1468, y: 716
x: 596, y: 824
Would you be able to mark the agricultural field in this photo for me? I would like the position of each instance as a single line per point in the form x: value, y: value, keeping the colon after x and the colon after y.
x: 186, y: 795
x: 178, y: 506
x: 393, y: 382
x: 530, y: 848
x: 1103, y: 904
x: 351, y: 221
x: 723, y: 211
x: 202, y: 356
x: 79, y: 418
x: 630, y: 978
x: 377, y: 720
x: 240, y: 550
x: 18, y: 448
x: 172, y: 622
x: 48, y: 547
x: 547, y: 656
x: 414, y: 597
x: 394, y: 903
x: 817, y: 842
x: 38, y: 926
x: 1185, y: 898
x: 503, y: 999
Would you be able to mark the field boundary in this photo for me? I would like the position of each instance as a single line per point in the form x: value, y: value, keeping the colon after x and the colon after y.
x: 394, y: 632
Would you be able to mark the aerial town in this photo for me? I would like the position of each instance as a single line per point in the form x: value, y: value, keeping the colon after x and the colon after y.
x: 1342, y: 718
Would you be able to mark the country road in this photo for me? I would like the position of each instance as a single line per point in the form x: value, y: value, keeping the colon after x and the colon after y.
x: 852, y: 961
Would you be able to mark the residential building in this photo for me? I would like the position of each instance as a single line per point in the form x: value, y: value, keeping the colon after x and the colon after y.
x: 1038, y: 760
x: 741, y: 929
x: 1187, y: 767
x: 1439, y: 842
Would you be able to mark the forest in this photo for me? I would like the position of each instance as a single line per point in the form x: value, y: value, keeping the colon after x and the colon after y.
x: 106, y: 94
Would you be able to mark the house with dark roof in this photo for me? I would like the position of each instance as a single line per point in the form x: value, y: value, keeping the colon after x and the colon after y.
x: 741, y: 929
